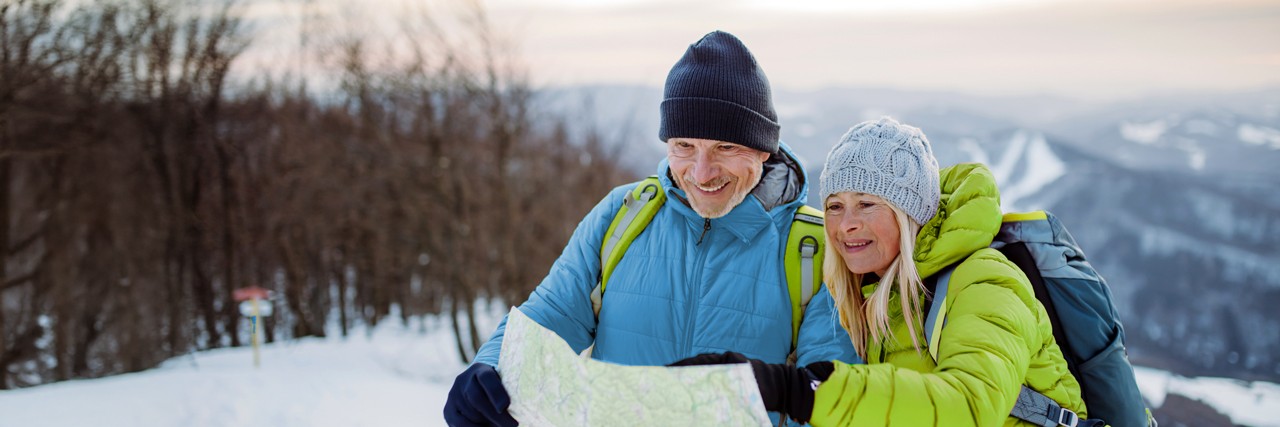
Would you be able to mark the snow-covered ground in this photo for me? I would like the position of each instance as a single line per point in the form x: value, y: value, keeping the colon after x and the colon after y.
x: 391, y: 376
x: 1247, y: 403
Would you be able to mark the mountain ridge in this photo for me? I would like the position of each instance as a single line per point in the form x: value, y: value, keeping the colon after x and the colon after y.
x: 1190, y: 252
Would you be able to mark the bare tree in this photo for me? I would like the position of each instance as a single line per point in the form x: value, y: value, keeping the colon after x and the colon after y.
x: 139, y: 186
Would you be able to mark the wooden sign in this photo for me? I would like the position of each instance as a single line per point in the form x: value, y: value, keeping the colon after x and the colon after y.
x: 252, y: 292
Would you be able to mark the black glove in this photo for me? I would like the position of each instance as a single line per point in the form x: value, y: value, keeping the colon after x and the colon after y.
x: 478, y: 399
x: 786, y: 389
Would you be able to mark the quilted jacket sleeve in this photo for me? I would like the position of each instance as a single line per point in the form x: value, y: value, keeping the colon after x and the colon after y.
x: 821, y: 337
x: 562, y: 302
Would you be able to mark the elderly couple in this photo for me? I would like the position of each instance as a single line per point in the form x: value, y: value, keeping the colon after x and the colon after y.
x: 704, y: 284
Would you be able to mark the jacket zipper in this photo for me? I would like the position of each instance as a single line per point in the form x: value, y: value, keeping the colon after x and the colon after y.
x: 695, y: 285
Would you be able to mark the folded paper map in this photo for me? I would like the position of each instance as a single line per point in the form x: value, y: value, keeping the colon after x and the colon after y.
x: 551, y: 385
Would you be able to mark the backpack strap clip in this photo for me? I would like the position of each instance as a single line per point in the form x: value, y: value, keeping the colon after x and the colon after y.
x: 1038, y: 409
x: 1067, y: 418
x: 808, y: 249
x: 638, y: 208
x: 802, y: 263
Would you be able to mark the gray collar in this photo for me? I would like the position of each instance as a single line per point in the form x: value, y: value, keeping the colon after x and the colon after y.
x: 781, y: 183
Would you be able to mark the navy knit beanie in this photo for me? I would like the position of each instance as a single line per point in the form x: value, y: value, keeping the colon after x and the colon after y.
x: 717, y: 91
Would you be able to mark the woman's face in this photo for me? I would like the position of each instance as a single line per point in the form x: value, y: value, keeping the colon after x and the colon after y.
x: 862, y: 229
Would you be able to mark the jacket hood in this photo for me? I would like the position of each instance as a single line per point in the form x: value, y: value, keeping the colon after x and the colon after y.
x: 968, y: 218
x: 783, y: 182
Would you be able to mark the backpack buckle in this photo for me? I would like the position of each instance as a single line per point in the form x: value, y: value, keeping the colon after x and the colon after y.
x: 1068, y: 418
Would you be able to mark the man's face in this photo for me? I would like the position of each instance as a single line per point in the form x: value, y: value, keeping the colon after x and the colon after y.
x: 716, y: 175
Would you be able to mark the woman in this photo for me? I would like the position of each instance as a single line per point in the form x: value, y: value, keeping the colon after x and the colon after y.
x: 891, y: 220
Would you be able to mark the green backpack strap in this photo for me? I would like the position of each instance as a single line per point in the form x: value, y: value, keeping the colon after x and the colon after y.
x: 638, y: 209
x: 803, y: 262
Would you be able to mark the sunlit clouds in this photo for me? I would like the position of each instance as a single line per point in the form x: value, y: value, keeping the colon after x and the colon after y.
x: 1087, y: 49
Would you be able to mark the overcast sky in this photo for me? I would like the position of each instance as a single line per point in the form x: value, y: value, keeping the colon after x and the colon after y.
x: 1090, y: 49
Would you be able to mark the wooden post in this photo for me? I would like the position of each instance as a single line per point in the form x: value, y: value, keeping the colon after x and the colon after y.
x: 254, y: 302
x: 253, y: 333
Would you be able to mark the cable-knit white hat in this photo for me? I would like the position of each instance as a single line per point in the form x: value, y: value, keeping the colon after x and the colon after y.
x: 887, y: 159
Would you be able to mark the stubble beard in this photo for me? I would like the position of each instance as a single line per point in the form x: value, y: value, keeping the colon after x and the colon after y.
x: 734, y: 201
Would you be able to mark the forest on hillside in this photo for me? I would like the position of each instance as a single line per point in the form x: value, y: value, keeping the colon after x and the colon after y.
x: 142, y: 182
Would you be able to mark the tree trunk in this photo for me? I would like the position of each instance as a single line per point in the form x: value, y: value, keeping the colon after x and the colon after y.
x: 343, y: 282
x: 295, y: 287
x: 229, y: 228
x: 202, y: 288
x: 5, y: 178
x: 471, y: 323
x: 457, y: 331
x: 80, y: 352
x: 23, y: 347
x: 174, y: 301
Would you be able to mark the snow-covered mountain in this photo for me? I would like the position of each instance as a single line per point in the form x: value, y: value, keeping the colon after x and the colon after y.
x: 397, y: 375
x: 1211, y: 141
x: 1174, y: 199
x: 1191, y: 260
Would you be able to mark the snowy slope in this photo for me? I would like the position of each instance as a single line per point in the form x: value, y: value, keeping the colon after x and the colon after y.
x: 1039, y: 167
x: 1022, y: 161
x: 1251, y: 404
x: 395, y: 376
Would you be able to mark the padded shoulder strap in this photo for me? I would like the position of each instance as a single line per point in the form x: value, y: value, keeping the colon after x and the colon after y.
x: 803, y: 263
x: 937, y: 286
x: 638, y: 209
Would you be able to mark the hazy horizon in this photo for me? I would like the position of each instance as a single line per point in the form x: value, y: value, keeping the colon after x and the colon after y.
x: 1095, y: 50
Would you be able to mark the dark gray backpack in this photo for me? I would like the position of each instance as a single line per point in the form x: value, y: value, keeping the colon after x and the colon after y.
x: 1085, y: 324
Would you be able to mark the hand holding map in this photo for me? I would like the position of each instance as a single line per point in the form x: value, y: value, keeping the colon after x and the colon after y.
x: 550, y: 385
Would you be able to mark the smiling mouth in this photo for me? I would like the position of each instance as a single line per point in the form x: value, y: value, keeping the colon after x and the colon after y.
x: 855, y: 246
x: 712, y: 189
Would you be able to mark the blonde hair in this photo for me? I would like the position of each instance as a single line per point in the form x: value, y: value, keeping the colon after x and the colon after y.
x: 869, y: 317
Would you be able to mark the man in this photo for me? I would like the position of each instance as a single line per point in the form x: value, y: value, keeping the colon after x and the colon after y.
x: 707, y: 274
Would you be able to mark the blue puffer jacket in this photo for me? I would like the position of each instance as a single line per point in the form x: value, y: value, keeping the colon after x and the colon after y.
x: 672, y: 297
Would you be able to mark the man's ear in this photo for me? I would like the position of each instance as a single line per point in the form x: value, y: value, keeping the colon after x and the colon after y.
x: 764, y: 156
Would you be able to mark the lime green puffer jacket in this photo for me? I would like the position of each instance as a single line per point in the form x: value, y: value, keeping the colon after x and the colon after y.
x: 997, y: 336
